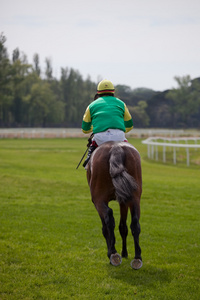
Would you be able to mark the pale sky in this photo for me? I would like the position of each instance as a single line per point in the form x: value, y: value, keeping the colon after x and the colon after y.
x: 139, y: 43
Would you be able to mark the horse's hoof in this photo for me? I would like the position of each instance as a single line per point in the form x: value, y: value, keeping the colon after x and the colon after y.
x: 115, y: 259
x: 136, y: 264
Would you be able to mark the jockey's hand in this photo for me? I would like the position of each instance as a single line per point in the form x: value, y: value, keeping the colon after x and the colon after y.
x: 89, y: 142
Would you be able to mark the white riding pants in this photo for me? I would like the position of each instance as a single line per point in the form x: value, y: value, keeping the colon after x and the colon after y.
x: 115, y: 135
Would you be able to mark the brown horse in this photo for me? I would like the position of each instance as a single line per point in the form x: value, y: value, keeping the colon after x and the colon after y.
x: 114, y: 173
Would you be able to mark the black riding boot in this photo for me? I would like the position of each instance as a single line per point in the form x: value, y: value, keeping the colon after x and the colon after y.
x: 91, y: 149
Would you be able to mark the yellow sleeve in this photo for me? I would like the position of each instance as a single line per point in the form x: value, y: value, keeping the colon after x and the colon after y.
x: 87, y: 122
x: 127, y: 119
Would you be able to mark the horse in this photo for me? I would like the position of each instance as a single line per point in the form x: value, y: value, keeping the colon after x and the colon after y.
x: 114, y: 173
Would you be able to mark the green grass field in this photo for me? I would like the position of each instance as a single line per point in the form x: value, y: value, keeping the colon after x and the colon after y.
x: 51, y: 244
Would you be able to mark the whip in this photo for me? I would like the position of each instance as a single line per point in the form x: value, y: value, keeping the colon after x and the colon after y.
x: 82, y: 157
x: 88, y: 145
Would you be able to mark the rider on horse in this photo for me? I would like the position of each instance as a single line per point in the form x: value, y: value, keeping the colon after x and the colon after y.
x: 107, y: 116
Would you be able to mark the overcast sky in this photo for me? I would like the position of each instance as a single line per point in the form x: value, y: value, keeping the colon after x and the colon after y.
x: 139, y: 43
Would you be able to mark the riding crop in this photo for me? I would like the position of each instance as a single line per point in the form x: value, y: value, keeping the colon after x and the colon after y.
x: 88, y: 145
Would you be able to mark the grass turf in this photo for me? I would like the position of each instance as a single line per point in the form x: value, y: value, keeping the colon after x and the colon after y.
x: 51, y: 245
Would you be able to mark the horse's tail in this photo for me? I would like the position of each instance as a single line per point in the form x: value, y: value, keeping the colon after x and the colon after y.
x: 123, y: 182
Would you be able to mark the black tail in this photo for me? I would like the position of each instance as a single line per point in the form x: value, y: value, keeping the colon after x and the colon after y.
x: 123, y: 182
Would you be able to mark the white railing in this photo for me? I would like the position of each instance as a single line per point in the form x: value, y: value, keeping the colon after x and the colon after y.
x: 149, y: 132
x: 76, y: 132
x: 152, y: 146
x: 31, y: 133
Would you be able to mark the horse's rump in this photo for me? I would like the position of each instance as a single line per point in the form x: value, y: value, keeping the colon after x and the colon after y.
x: 123, y: 182
x: 116, y: 166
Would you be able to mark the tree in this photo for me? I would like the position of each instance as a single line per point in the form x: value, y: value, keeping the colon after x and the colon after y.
x: 186, y: 100
x: 16, y: 55
x: 28, y: 100
x: 36, y: 64
x: 20, y: 71
x: 194, y: 118
x: 140, y: 117
x: 42, y: 106
x: 124, y: 93
x: 49, y: 69
x: 159, y: 111
x: 132, y: 97
x: 5, y: 84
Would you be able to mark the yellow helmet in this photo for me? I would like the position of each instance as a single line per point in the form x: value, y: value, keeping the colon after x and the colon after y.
x: 105, y: 86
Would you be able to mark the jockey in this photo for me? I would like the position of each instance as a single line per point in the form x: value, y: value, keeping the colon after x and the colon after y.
x: 107, y: 116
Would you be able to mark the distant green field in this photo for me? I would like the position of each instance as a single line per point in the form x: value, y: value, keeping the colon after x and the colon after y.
x: 51, y: 244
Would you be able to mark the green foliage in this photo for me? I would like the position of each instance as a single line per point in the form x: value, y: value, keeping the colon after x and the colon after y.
x: 71, y: 94
x: 36, y: 64
x: 42, y: 107
x: 139, y: 113
x: 186, y: 98
x: 28, y: 100
x: 5, y: 84
x: 51, y: 243
x: 49, y: 69
x: 159, y: 111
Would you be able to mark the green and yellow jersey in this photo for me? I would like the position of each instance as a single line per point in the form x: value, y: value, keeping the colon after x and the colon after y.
x: 107, y: 112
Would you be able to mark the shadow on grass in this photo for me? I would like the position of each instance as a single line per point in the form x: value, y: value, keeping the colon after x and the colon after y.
x: 148, y: 276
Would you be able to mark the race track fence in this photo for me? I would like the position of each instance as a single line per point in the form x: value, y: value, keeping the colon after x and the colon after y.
x: 42, y: 133
x: 172, y: 143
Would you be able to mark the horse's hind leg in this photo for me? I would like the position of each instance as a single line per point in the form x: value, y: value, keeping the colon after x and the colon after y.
x: 108, y: 222
x: 123, y: 229
x: 108, y: 226
x: 135, y: 228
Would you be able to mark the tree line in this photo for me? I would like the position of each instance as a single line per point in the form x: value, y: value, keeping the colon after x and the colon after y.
x: 30, y: 97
